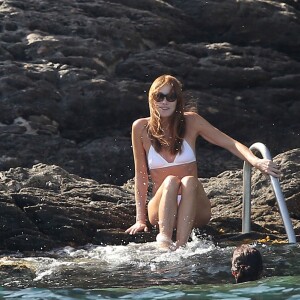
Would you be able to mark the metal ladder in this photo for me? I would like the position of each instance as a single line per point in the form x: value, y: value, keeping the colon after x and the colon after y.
x: 246, y: 216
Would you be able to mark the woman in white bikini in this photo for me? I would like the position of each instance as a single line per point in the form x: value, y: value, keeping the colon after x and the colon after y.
x: 164, y: 144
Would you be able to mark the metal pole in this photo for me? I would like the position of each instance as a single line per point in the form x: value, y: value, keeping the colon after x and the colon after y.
x: 246, y: 218
x: 283, y: 210
x: 246, y: 213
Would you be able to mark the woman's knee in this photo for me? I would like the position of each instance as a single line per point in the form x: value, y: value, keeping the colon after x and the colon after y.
x: 205, y: 217
x: 190, y: 182
x: 171, y: 182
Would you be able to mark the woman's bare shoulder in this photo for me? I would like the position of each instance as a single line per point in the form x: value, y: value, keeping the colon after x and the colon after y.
x: 140, y: 124
x: 192, y: 116
x: 196, y: 123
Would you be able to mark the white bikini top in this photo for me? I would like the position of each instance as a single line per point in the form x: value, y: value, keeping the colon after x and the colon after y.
x: 156, y: 161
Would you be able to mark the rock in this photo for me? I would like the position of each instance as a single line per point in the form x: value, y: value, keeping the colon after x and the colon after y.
x: 12, y: 270
x: 269, y: 24
x: 45, y: 206
x: 77, y: 80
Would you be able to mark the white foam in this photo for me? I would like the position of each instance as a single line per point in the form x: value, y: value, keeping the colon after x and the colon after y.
x: 146, y: 256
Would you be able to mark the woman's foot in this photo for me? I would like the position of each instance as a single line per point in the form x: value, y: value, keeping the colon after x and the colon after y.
x: 164, y: 242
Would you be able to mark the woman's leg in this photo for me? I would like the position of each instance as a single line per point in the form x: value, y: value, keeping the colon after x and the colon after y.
x: 162, y: 208
x: 194, y: 209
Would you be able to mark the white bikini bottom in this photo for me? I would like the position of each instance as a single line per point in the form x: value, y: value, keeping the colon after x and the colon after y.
x: 178, y: 199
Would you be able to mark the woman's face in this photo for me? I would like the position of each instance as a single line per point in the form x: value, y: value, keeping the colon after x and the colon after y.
x: 166, y: 108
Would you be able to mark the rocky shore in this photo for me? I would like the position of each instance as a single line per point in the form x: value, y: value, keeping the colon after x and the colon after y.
x: 45, y: 207
x: 74, y: 75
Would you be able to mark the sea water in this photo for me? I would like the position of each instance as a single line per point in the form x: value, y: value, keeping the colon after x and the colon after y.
x: 201, y: 270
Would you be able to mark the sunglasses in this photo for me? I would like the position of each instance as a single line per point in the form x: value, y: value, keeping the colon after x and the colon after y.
x: 171, y: 97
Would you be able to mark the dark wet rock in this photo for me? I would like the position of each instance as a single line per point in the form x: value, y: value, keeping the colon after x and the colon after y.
x: 269, y: 24
x: 71, y: 85
x: 12, y: 270
x: 45, y: 206
x: 107, y: 159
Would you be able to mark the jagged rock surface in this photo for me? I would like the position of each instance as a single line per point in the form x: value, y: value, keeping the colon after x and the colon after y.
x: 74, y: 75
x: 44, y: 207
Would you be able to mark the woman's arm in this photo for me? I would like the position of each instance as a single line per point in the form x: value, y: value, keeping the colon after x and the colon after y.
x: 219, y: 138
x: 141, y: 177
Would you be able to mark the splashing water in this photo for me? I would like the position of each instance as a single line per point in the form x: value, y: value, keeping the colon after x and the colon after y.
x: 140, y: 268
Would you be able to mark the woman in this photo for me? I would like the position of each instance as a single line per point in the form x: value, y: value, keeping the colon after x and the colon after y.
x: 247, y: 264
x: 164, y: 143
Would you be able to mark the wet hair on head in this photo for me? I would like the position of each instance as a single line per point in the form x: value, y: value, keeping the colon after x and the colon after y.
x: 177, y: 124
x: 247, y: 264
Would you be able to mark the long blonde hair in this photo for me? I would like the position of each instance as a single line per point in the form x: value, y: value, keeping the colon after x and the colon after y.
x: 177, y: 121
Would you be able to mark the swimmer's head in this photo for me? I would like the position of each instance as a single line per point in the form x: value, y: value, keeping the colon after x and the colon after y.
x: 247, y: 264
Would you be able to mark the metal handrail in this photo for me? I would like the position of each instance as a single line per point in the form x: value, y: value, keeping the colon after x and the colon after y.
x: 246, y: 216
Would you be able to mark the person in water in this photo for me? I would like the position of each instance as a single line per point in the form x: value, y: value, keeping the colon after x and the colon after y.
x: 164, y: 144
x: 247, y: 264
